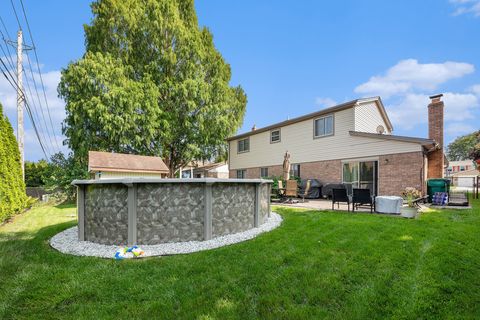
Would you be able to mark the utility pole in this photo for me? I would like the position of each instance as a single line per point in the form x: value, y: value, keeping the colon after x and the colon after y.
x: 20, y: 102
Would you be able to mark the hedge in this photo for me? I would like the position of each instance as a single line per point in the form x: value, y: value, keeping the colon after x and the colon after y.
x: 13, y: 198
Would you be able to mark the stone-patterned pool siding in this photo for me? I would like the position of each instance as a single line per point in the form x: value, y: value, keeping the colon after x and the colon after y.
x: 264, y: 203
x: 233, y: 207
x: 154, y: 211
x: 170, y: 213
x: 106, y: 214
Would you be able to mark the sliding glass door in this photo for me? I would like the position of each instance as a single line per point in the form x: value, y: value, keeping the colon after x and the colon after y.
x: 361, y: 174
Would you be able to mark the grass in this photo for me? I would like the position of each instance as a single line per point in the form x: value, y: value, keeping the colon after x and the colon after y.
x: 316, y: 265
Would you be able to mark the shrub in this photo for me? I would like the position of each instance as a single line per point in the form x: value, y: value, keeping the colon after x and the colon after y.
x: 12, y: 188
x: 61, y: 172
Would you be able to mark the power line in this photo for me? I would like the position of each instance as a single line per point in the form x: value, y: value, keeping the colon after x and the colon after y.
x: 35, y: 109
x: 16, y: 16
x: 39, y: 101
x: 12, y: 65
x: 29, y: 111
x: 38, y: 68
x: 15, y: 86
x: 9, y: 56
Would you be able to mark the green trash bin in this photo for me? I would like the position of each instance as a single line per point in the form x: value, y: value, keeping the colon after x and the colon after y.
x: 437, y: 185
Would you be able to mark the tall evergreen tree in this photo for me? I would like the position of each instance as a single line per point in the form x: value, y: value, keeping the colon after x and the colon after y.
x: 12, y: 188
x: 151, y: 82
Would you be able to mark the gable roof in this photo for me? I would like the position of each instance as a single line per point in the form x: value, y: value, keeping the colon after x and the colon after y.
x: 338, y: 107
x: 120, y: 162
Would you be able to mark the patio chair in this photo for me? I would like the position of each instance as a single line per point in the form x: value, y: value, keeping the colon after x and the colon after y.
x: 291, y: 190
x: 363, y: 197
x: 340, y: 195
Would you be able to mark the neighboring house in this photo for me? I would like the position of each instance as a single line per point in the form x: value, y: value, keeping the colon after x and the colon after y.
x: 459, y: 166
x: 350, y: 143
x: 206, y: 170
x: 187, y: 171
x: 465, y: 178
x: 212, y: 170
x: 106, y: 165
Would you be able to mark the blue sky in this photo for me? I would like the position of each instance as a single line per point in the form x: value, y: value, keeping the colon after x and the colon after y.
x: 296, y: 57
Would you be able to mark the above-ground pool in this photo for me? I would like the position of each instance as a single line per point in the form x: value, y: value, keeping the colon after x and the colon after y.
x: 148, y: 211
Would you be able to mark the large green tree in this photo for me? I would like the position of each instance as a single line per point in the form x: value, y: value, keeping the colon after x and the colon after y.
x: 151, y: 82
x: 12, y: 188
x: 461, y: 148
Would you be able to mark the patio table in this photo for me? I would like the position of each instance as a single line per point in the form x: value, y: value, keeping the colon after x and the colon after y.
x: 388, y: 204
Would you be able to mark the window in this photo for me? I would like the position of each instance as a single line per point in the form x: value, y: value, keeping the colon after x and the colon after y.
x: 186, y: 174
x: 243, y: 145
x: 263, y: 172
x: 241, y: 174
x: 275, y: 136
x: 361, y: 174
x: 294, y: 170
x: 323, y: 126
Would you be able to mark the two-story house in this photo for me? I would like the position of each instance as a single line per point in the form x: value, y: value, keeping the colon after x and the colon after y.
x: 348, y: 143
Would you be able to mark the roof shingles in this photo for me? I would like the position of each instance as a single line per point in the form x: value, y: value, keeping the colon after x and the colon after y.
x: 119, y: 162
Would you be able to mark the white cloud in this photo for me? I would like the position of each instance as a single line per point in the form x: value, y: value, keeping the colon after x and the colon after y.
x: 8, y: 98
x: 410, y: 76
x: 466, y: 7
x: 325, y: 102
x: 411, y: 110
x: 460, y: 106
x: 475, y: 89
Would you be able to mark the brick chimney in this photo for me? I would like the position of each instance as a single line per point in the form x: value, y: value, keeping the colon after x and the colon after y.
x: 435, y: 132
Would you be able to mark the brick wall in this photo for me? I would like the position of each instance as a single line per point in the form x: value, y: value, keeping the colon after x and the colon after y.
x: 326, y: 171
x: 398, y: 171
x: 435, y: 132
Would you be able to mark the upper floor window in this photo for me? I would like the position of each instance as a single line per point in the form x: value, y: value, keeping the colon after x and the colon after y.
x: 243, y: 145
x: 275, y: 136
x: 323, y: 126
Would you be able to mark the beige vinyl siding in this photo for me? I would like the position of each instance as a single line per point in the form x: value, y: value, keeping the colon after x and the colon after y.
x: 298, y: 140
x: 368, y: 118
x: 112, y: 175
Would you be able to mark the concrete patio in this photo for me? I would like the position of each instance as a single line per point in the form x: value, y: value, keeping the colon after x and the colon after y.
x: 318, y: 204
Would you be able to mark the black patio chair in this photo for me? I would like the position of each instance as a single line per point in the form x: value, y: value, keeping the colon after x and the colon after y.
x: 363, y: 197
x: 340, y: 195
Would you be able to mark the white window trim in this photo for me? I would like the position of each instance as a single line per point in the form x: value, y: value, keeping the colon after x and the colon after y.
x: 333, y: 126
x: 238, y: 142
x: 279, y: 135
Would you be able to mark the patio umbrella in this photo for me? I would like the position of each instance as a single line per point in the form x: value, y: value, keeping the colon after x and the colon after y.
x: 286, y: 166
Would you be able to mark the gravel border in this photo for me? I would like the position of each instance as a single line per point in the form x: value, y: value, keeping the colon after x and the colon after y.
x: 67, y: 242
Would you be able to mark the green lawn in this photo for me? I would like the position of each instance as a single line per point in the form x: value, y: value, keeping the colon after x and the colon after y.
x: 316, y: 265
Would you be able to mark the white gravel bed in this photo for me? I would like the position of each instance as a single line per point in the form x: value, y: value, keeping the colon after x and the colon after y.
x: 67, y: 242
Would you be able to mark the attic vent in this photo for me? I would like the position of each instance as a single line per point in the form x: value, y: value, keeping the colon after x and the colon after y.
x: 380, y: 130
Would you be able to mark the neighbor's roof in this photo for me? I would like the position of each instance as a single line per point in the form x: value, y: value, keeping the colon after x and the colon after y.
x: 336, y: 108
x: 467, y: 173
x: 422, y: 141
x: 119, y: 162
x: 210, y: 166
